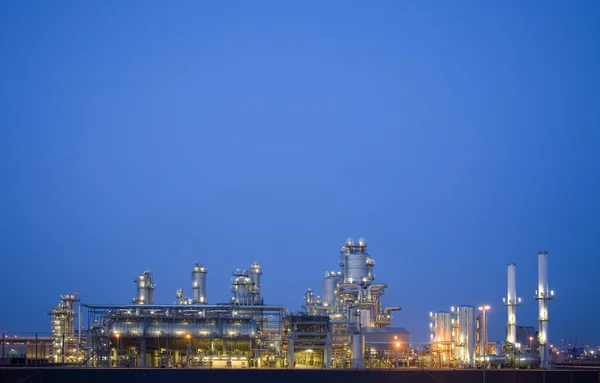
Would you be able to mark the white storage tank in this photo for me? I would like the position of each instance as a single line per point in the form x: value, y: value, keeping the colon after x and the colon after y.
x: 199, y: 284
x: 328, y: 287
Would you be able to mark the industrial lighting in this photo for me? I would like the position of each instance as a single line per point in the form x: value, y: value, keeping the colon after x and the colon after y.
x: 484, y: 308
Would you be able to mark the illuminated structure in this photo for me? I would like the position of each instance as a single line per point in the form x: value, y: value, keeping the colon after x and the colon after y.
x: 349, y: 327
x: 145, y: 289
x: 199, y: 284
x: 442, y: 337
x: 65, y: 343
x: 511, y: 302
x: 360, y: 323
x: 469, y: 335
x: 543, y: 295
x: 346, y: 327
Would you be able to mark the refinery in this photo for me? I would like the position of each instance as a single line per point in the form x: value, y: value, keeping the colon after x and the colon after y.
x: 346, y: 326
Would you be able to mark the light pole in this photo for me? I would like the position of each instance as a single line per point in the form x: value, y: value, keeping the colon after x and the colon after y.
x: 397, y: 344
x: 118, y: 348
x: 483, y: 331
x: 188, y: 351
x: 531, y: 344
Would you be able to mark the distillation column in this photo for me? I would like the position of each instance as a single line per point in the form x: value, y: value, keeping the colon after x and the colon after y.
x: 511, y: 302
x: 466, y: 334
x: 145, y: 289
x: 255, y: 273
x: 199, y: 284
x: 543, y: 295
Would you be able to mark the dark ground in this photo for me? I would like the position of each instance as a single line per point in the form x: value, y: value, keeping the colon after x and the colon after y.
x: 135, y: 375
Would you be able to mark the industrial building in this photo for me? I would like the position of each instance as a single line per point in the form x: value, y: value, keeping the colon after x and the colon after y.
x: 460, y: 337
x: 346, y: 326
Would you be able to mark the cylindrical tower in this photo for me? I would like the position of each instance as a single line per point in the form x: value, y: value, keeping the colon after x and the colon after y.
x: 466, y: 334
x: 543, y: 295
x: 199, y: 284
x: 241, y: 289
x: 309, y: 301
x: 358, y: 347
x: 145, y: 289
x: 328, y: 287
x: 483, y: 333
x: 511, y: 302
x: 442, y: 327
x: 255, y: 273
x: 356, y: 263
x: 366, y: 318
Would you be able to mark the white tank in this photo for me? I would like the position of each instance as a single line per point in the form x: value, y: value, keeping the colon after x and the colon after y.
x: 328, y: 287
x: 443, y: 327
x: 145, y: 289
x: 242, y: 290
x: 357, y: 268
x: 357, y: 349
x: 199, y: 284
x: 366, y: 319
x: 356, y: 262
x: 466, y: 335
x: 255, y: 273
x: 309, y: 301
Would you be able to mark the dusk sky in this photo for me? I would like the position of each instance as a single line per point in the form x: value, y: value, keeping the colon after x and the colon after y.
x: 455, y: 136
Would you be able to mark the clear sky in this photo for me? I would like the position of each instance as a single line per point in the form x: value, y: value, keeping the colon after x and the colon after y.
x: 455, y: 136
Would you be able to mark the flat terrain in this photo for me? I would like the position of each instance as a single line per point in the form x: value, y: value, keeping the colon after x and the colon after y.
x: 156, y: 375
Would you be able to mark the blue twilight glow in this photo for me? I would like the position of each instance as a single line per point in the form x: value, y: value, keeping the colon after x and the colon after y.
x: 454, y: 136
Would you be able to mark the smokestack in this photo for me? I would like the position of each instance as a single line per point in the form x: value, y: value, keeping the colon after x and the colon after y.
x: 543, y: 295
x: 511, y: 302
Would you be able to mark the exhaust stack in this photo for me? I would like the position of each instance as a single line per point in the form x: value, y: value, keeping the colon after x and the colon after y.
x: 511, y: 302
x: 543, y: 295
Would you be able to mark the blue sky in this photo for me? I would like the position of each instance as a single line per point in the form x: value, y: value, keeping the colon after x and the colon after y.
x: 456, y: 137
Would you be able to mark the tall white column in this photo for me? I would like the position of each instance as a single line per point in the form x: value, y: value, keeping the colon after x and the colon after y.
x: 511, y: 302
x: 543, y: 295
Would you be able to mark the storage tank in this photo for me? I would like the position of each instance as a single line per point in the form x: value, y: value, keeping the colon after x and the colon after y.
x: 366, y: 318
x: 466, y: 335
x: 357, y: 263
x: 255, y: 273
x: 443, y: 327
x: 328, y: 287
x: 242, y: 289
x: 309, y: 301
x: 358, y: 360
x: 199, y: 284
x: 356, y: 268
x: 145, y: 289
x: 527, y: 361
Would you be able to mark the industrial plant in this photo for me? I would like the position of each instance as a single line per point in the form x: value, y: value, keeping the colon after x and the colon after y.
x: 347, y: 325
x: 460, y: 337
